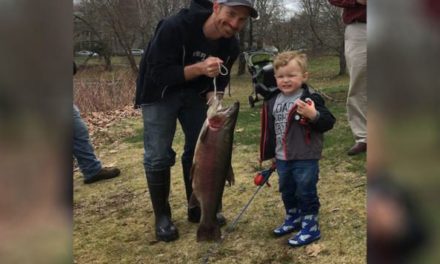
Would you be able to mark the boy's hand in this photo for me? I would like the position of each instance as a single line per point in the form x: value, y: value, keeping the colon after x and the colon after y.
x: 306, y: 109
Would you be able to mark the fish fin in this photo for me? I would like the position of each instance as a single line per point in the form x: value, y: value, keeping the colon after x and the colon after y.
x: 208, y: 233
x: 193, y: 202
x: 230, y: 177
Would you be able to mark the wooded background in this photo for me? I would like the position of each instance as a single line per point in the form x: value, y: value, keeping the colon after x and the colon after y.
x: 114, y: 27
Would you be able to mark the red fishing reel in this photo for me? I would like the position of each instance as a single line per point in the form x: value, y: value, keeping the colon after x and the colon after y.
x: 262, y: 177
x: 260, y: 180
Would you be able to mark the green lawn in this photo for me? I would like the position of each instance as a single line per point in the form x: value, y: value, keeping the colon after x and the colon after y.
x: 113, y: 220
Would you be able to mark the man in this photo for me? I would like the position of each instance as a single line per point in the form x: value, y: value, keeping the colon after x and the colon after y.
x: 83, y: 151
x: 355, y: 17
x: 88, y: 163
x: 175, y: 82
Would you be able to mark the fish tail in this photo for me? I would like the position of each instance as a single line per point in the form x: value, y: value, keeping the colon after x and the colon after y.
x: 208, y: 233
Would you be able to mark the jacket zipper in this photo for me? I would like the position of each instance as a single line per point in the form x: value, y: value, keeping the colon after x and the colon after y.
x: 289, y: 123
x: 263, y: 131
x: 164, y: 90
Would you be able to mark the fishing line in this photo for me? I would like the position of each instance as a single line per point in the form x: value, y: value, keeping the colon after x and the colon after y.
x: 224, y: 72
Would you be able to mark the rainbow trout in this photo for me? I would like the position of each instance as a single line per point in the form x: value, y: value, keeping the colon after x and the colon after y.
x: 212, y: 166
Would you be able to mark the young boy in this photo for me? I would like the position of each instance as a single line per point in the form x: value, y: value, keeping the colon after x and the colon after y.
x: 293, y: 120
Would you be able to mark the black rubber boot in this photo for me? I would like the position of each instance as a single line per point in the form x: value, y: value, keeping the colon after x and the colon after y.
x: 159, y: 187
x: 186, y: 178
x: 194, y: 213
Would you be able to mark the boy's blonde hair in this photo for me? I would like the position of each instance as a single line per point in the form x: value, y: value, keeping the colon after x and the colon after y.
x: 285, y: 57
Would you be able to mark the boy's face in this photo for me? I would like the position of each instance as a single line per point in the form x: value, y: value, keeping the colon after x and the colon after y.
x: 229, y: 20
x: 290, y: 78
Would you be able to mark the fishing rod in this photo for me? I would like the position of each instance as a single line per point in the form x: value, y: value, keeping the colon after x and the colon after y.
x: 260, y: 179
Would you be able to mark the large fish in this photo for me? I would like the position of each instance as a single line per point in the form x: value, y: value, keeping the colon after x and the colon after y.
x: 212, y: 166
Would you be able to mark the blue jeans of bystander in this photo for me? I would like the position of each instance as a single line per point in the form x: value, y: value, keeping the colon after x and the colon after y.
x: 82, y: 148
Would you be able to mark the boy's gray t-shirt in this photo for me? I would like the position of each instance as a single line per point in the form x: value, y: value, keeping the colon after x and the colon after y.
x: 280, y: 112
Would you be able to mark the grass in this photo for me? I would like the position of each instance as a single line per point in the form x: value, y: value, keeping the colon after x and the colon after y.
x: 113, y: 220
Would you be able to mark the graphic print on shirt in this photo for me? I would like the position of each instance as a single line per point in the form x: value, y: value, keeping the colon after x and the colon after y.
x: 280, y: 113
x: 199, y: 56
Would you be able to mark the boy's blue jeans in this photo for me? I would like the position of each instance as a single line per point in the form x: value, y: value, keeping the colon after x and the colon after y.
x: 82, y: 148
x: 297, y: 184
x: 160, y: 118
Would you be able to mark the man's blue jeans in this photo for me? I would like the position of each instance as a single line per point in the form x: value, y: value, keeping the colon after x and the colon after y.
x: 160, y: 119
x: 297, y: 184
x: 82, y: 148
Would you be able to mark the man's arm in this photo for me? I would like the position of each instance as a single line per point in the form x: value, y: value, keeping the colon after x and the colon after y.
x: 165, y: 55
x: 209, y: 67
x: 223, y: 80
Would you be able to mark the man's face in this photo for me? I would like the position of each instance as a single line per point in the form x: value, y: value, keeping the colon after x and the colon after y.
x: 229, y: 20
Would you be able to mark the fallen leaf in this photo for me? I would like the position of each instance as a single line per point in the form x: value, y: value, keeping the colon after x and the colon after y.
x: 112, y: 164
x: 313, y: 250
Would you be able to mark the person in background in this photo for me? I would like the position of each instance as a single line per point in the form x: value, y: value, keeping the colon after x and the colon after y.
x: 294, y: 119
x: 83, y: 151
x: 355, y: 17
x: 175, y: 82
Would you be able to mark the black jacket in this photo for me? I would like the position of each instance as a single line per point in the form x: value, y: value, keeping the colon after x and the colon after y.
x: 179, y: 41
x: 301, y: 142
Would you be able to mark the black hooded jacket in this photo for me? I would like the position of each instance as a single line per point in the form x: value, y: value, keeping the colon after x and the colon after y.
x: 179, y: 41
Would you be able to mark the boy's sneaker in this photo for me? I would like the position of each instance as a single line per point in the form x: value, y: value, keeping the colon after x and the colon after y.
x: 291, y: 223
x: 309, y: 232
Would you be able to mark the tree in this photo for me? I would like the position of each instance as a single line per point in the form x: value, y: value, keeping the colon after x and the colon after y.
x: 269, y: 12
x: 100, y: 45
x: 257, y: 33
x: 119, y: 16
x: 325, y: 23
x: 118, y: 26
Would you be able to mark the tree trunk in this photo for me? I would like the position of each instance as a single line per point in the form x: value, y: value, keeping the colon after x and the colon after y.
x: 241, y: 65
x: 108, y: 63
x: 251, y: 35
x: 132, y: 62
x: 241, y: 61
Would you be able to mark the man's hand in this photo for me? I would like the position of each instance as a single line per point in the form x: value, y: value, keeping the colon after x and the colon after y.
x: 362, y: 2
x: 211, y: 66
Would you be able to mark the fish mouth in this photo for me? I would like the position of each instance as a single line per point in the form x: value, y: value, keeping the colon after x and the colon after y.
x: 229, y: 110
x: 218, y: 119
x: 216, y: 122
